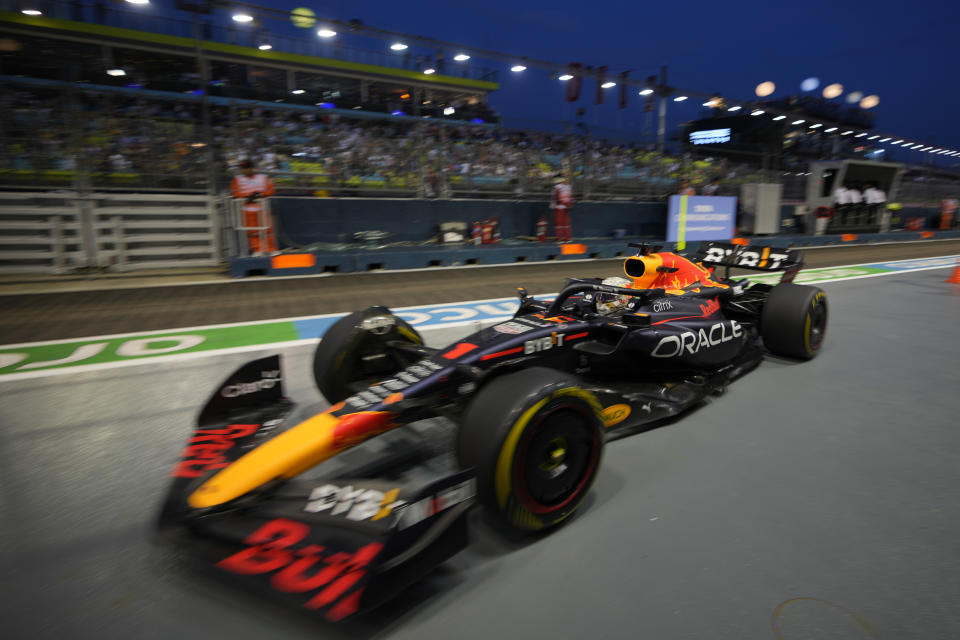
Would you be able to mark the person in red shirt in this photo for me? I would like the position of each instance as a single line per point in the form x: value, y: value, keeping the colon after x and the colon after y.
x: 253, y: 187
x: 560, y: 202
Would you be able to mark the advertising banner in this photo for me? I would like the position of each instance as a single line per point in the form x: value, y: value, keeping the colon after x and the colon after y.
x: 700, y: 218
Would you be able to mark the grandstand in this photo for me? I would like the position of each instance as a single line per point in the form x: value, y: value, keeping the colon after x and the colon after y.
x: 100, y: 98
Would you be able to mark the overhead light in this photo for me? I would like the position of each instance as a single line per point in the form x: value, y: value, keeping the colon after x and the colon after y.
x: 897, y: 142
x: 429, y: 71
x: 917, y: 146
x: 398, y: 46
x: 846, y: 133
x: 297, y: 92
x: 608, y: 85
x: 885, y: 139
x: 517, y: 68
x: 138, y: 1
x: 779, y: 118
x: 765, y: 88
x: 814, y: 126
x: 830, y: 130
x: 798, y: 122
x: 860, y: 135
x: 869, y: 102
x: 461, y: 57
x: 810, y: 84
x: 326, y: 33
x: 832, y: 91
x: 565, y: 77
x: 240, y: 16
x: 757, y: 112
x: 116, y: 72
x: 265, y: 47
x: 646, y: 92
x: 873, y: 137
x: 710, y: 103
x: 31, y: 12
x: 735, y: 108
x: 926, y: 148
x: 449, y: 111
x: 680, y: 98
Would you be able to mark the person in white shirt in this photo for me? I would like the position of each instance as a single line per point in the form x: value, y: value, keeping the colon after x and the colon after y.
x: 856, y: 205
x: 876, y: 200
x: 841, y: 203
x: 840, y: 196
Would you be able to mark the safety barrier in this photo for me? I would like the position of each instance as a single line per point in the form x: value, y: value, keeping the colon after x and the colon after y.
x: 57, y: 232
x: 40, y: 232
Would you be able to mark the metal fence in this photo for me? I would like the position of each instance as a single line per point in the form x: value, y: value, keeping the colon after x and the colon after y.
x: 58, y: 232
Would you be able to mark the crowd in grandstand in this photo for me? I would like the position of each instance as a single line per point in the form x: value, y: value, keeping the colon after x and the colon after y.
x: 116, y: 136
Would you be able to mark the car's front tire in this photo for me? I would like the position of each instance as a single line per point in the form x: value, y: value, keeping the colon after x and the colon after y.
x: 356, y: 349
x: 534, y: 439
x: 793, y: 322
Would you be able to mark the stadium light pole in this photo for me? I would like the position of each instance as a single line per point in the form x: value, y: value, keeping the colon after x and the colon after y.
x: 663, y: 91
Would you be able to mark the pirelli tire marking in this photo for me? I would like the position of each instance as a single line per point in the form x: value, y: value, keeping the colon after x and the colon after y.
x: 808, y: 322
x: 506, y: 468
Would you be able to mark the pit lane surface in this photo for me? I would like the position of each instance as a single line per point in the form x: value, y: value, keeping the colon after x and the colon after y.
x: 812, y: 500
x: 72, y: 308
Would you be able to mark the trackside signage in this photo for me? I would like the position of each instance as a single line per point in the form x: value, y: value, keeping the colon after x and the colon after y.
x: 28, y: 360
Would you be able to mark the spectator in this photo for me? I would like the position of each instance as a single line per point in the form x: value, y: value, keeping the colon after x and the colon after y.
x: 253, y: 188
x: 561, y: 202
x: 711, y: 188
x: 686, y: 189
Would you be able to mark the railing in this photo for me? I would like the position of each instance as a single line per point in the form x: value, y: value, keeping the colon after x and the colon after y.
x: 41, y: 232
x: 59, y: 232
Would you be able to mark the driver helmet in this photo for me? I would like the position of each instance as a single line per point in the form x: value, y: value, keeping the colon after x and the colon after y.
x: 610, y: 302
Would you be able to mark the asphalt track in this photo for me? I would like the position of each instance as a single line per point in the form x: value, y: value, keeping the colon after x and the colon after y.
x: 814, y: 500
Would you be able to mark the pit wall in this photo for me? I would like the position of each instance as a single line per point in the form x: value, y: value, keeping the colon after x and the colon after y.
x: 304, y: 221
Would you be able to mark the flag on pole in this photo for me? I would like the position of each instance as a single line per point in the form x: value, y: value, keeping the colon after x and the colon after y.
x: 601, y: 78
x: 573, y: 84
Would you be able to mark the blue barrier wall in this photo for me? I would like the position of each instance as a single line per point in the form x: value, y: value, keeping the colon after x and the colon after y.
x: 304, y: 221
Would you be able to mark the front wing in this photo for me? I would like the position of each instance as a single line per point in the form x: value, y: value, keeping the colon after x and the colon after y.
x: 338, y: 540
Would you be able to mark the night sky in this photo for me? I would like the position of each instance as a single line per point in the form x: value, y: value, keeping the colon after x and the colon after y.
x: 904, y: 52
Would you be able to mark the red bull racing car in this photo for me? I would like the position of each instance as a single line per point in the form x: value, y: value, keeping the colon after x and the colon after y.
x: 340, y: 508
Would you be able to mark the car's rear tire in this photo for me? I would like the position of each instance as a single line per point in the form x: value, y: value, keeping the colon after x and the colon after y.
x: 534, y: 439
x: 356, y: 349
x: 793, y: 322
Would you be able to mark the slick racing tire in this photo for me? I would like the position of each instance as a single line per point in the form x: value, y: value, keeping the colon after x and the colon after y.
x: 534, y: 439
x: 793, y: 322
x: 357, y: 350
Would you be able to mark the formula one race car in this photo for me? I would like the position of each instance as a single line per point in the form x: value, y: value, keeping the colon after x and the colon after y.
x: 514, y: 417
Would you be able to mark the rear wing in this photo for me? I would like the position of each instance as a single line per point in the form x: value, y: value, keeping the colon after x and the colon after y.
x: 728, y: 255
